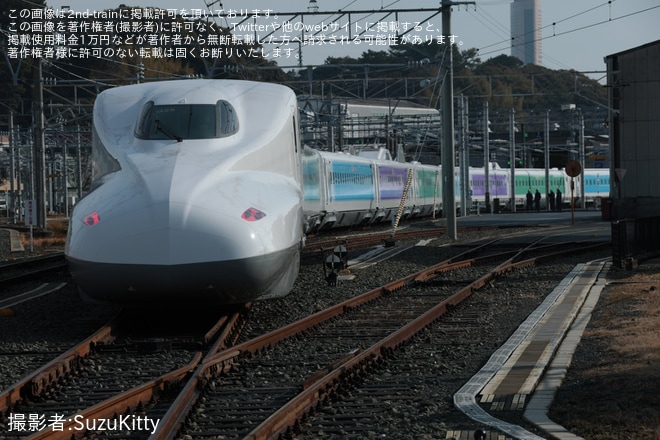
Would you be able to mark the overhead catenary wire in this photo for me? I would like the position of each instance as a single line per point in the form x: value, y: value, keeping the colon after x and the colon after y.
x: 576, y: 29
x: 485, y: 18
x: 481, y: 15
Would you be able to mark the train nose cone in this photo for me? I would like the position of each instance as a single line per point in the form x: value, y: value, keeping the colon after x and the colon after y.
x: 190, y: 249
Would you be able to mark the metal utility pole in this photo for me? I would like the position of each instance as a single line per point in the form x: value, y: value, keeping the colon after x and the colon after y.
x: 461, y: 155
x: 39, y: 141
x: 79, y: 162
x: 512, y: 157
x: 583, y: 199
x: 12, y: 170
x: 448, y: 148
x: 13, y: 152
x: 546, y: 148
x: 447, y: 154
x: 464, y: 156
x: 486, y: 158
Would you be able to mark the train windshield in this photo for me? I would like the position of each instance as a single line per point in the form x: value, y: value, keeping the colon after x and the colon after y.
x: 186, y: 121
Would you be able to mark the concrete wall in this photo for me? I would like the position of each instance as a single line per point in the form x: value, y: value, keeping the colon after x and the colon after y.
x: 634, y: 101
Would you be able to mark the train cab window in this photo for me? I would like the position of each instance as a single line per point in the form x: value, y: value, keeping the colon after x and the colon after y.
x: 228, y: 119
x: 186, y: 121
x: 142, y: 128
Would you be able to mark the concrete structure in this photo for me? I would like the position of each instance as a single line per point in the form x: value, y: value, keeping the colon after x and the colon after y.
x: 633, y: 81
x: 526, y: 31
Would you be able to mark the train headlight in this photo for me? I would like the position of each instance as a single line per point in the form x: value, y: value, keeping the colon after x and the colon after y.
x: 252, y: 215
x: 92, y: 219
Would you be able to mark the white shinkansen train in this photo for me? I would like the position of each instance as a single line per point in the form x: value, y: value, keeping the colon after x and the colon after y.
x: 196, y: 196
x: 344, y: 190
x: 202, y: 193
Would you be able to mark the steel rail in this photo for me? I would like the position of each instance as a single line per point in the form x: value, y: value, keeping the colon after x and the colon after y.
x: 142, y: 394
x: 176, y: 414
x: 280, y: 423
x: 321, y: 385
x: 118, y: 404
x: 355, y: 241
x: 42, y: 290
x: 30, y: 267
x: 35, y: 382
x: 222, y: 361
x: 46, y: 376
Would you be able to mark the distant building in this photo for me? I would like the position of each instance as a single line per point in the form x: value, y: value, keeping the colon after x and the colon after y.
x: 334, y: 124
x: 526, y: 31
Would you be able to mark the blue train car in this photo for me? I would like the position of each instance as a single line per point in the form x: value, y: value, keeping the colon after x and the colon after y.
x: 596, y: 185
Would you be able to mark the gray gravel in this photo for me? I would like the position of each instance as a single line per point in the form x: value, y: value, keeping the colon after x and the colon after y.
x: 428, y: 371
x: 34, y: 333
x: 431, y: 369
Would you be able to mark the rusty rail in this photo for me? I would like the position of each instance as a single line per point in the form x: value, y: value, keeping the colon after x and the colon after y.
x: 281, y: 422
x: 176, y: 414
x: 119, y: 404
x: 222, y: 361
x: 356, y: 241
x: 316, y: 388
x: 327, y: 383
x: 34, y: 383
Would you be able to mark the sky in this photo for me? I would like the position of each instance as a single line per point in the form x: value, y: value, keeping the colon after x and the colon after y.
x: 576, y: 34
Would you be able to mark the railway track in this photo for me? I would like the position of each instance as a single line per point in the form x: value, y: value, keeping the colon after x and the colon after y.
x: 26, y: 269
x: 128, y: 365
x: 320, y: 243
x: 366, y: 330
x: 263, y: 389
x: 341, y: 347
x: 30, y: 278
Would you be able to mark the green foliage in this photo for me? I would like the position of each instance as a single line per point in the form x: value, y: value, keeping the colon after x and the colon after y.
x: 502, y: 80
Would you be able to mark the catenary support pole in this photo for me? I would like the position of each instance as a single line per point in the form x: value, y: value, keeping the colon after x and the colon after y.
x: 448, y: 149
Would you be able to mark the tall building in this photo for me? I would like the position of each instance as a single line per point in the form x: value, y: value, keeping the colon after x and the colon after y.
x: 526, y: 31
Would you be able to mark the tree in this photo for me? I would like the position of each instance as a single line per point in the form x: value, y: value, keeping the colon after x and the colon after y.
x: 502, y: 61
